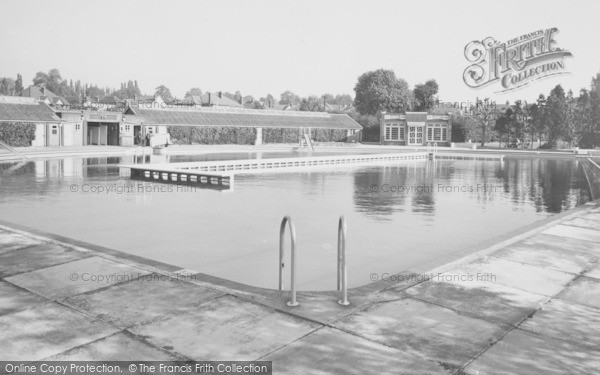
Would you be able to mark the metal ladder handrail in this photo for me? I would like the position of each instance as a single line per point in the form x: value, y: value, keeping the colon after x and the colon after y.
x: 288, y: 220
x: 435, y: 148
x: 342, y: 275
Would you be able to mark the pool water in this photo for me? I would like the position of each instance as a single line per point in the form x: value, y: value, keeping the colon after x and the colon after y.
x: 400, y: 216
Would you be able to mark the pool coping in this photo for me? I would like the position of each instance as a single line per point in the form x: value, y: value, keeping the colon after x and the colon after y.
x: 89, y: 151
x: 398, y: 281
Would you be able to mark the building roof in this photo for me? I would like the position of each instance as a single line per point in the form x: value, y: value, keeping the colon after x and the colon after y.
x: 132, y: 119
x: 20, y: 109
x: 213, y: 99
x: 38, y: 92
x: 241, y: 117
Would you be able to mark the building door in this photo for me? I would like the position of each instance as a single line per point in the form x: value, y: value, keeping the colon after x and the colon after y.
x: 415, y: 135
x: 53, y: 135
x: 93, y: 134
x: 137, y: 134
x: 113, y: 135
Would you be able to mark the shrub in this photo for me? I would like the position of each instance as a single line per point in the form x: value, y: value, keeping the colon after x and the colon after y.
x: 275, y: 135
x: 215, y: 135
x: 17, y: 134
x: 212, y: 135
x: 330, y: 135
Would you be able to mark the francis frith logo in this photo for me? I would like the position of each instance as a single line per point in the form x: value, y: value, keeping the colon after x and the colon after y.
x: 515, y: 63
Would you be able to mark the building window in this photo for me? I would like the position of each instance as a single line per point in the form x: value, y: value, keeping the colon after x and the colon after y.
x: 77, y: 127
x: 127, y: 128
x: 54, y: 129
x: 394, y: 132
x: 437, y: 133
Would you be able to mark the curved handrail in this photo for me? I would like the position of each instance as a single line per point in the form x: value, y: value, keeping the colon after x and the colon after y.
x: 342, y: 276
x: 288, y: 220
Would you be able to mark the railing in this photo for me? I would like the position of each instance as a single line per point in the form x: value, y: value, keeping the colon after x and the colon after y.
x: 342, y: 275
x: 288, y: 220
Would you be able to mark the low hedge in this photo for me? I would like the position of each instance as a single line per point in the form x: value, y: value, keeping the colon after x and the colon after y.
x: 17, y: 134
x: 212, y: 135
x: 330, y: 135
x: 274, y: 135
x: 215, y: 135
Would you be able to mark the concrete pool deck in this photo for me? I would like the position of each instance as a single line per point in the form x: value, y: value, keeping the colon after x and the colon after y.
x: 529, y: 306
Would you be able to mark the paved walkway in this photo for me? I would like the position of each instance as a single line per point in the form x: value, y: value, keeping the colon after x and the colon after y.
x: 532, y: 307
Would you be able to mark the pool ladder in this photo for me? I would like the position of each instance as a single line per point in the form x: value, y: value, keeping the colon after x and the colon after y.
x: 342, y: 275
x: 432, y: 150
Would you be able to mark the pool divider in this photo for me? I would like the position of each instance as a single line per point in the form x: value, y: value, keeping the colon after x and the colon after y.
x: 220, y: 174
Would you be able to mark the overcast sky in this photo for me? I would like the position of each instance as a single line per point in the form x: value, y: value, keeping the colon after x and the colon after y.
x: 264, y: 46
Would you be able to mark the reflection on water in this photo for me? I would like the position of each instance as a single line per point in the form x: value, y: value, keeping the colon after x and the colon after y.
x: 548, y: 185
x: 400, y: 216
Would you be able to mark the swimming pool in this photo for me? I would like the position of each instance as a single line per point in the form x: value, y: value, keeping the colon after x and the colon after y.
x: 400, y: 216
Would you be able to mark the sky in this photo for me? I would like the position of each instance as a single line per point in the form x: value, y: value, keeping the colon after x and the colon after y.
x: 267, y: 46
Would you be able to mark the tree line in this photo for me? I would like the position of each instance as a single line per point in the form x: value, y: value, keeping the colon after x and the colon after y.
x: 558, y: 120
x: 54, y: 82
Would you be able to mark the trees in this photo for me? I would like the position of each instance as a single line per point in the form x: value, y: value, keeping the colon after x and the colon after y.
x: 270, y: 100
x: 556, y: 109
x: 288, y: 98
x: 483, y: 112
x: 7, y: 86
x: 40, y: 78
x: 518, y: 121
x: 380, y: 90
x: 502, y: 125
x: 370, y: 125
x: 164, y: 93
x: 425, y: 95
x: 238, y: 97
x: 343, y: 99
x: 19, y: 85
x: 128, y: 90
x: 583, y: 117
x: 194, y: 91
x: 312, y: 104
x: 596, y: 83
